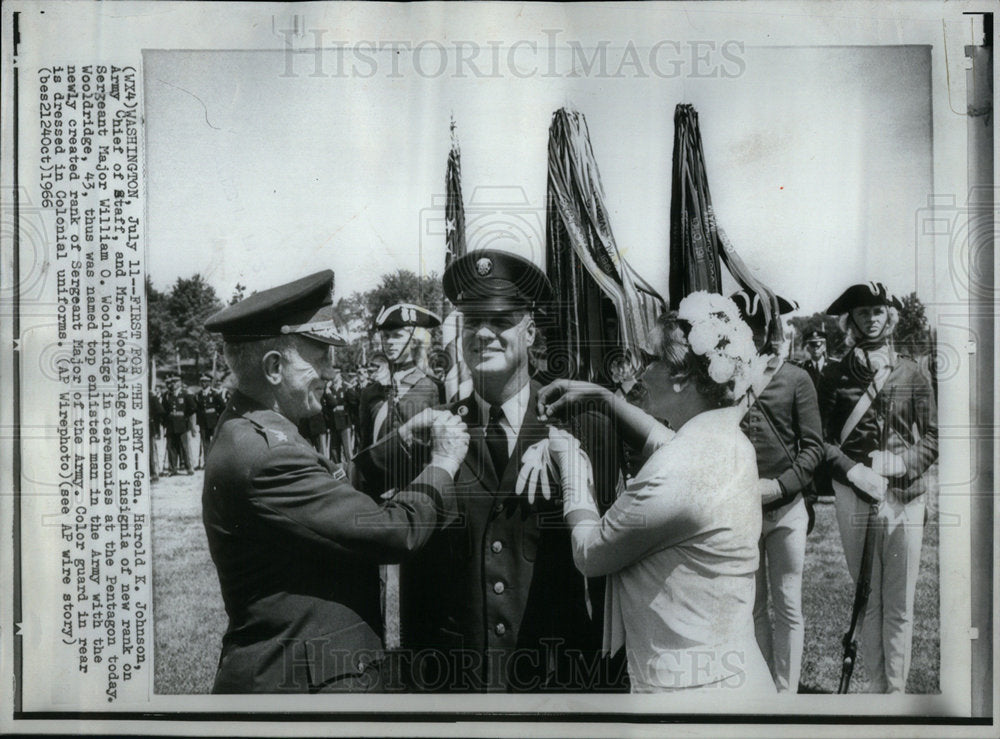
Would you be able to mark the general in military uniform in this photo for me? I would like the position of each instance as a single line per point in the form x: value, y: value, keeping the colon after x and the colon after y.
x: 296, y: 547
x: 495, y: 603
x: 880, y: 423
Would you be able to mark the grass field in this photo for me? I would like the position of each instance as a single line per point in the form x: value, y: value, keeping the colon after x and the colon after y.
x: 190, y: 620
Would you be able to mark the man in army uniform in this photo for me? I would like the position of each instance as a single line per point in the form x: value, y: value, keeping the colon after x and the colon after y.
x: 815, y: 363
x: 208, y: 405
x: 179, y: 411
x: 296, y: 547
x: 494, y: 603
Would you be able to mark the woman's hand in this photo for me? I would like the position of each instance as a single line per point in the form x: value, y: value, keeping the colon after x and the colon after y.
x: 556, y: 399
x: 572, y: 467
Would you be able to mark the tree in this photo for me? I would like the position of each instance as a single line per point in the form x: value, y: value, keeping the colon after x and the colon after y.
x: 161, y: 328
x: 191, y: 301
x: 403, y: 286
x: 239, y: 292
x: 913, y: 335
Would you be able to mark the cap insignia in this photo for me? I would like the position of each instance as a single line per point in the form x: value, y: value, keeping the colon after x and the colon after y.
x: 484, y: 266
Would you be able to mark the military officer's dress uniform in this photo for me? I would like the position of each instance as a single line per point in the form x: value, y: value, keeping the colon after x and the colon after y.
x: 209, y: 405
x: 296, y: 547
x: 876, y: 400
x: 815, y: 366
x: 179, y: 410
x: 494, y: 602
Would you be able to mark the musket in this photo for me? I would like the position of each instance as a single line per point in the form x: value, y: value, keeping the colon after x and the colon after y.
x: 863, y: 588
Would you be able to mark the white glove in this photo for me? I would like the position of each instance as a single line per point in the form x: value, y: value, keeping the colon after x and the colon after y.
x: 574, y: 471
x: 535, y: 464
x: 769, y: 491
x: 888, y: 464
x: 868, y: 481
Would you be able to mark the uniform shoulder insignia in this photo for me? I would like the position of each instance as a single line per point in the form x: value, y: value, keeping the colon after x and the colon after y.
x: 267, y: 428
x: 277, y: 434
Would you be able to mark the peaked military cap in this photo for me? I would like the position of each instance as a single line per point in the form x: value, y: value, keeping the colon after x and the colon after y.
x: 303, y: 307
x: 816, y: 334
x: 863, y: 295
x: 402, y: 315
x: 495, y: 281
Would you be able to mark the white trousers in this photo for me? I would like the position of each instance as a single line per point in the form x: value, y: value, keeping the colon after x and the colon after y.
x: 782, y: 555
x: 887, y: 632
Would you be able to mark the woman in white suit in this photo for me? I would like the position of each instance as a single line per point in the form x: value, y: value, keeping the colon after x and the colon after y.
x: 680, y: 544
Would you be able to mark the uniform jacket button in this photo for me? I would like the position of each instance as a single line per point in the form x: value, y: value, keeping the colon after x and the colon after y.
x: 500, y: 629
x: 498, y: 587
x: 497, y: 547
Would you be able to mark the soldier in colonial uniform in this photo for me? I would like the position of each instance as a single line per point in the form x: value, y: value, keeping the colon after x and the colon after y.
x: 494, y: 603
x: 296, y: 547
x: 784, y: 426
x: 880, y: 424
x: 404, y: 330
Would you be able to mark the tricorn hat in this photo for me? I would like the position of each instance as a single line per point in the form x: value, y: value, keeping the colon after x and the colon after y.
x: 402, y: 315
x: 862, y: 295
x: 751, y: 307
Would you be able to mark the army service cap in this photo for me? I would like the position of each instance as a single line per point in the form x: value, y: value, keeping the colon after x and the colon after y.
x: 303, y: 307
x: 494, y: 281
x: 402, y: 315
x: 863, y: 295
x: 814, y: 336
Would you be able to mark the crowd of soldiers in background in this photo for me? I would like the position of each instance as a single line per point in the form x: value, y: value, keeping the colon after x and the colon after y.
x: 183, y: 420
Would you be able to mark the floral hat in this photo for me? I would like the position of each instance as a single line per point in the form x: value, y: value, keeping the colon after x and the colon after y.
x: 720, y: 335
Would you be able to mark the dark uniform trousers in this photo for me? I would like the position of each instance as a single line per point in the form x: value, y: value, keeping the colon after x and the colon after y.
x: 297, y: 551
x: 177, y: 410
x: 494, y: 602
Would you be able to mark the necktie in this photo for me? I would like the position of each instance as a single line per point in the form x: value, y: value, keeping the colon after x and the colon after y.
x: 496, y: 440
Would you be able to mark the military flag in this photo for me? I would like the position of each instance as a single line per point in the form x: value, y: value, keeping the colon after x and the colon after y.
x: 698, y: 247
x: 603, y: 311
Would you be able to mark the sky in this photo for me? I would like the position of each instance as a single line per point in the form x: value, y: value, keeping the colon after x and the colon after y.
x: 818, y: 158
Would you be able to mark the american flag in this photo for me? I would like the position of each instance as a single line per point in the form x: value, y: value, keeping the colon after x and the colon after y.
x: 458, y: 380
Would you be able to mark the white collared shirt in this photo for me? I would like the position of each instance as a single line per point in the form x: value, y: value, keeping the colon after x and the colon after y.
x: 513, y: 409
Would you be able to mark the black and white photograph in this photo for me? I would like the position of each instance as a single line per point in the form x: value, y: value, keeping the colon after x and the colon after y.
x: 597, y: 364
